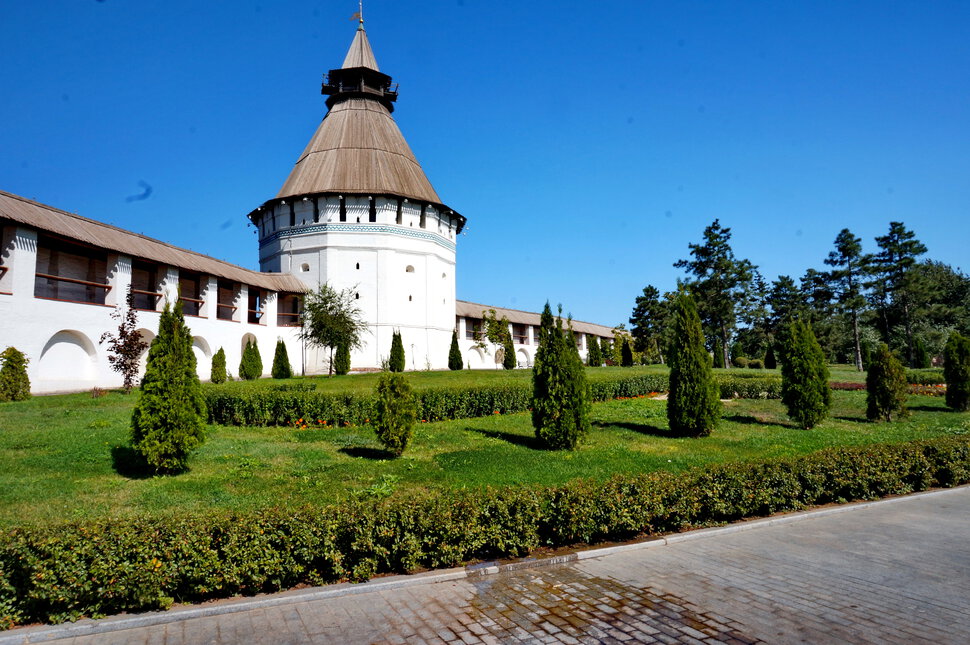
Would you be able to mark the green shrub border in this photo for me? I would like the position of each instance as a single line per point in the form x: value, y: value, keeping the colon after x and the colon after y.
x: 64, y: 572
x: 288, y: 405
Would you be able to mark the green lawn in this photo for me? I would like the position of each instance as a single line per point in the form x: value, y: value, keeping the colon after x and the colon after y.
x: 65, y: 457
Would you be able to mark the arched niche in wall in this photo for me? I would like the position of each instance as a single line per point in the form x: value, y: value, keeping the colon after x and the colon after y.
x: 203, y: 356
x: 68, y: 354
x: 146, y: 336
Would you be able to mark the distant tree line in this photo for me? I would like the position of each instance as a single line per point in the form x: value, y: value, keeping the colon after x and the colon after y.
x: 892, y: 294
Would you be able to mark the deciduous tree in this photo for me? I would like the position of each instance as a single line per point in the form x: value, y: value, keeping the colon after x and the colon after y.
x: 331, y: 319
x: 126, y: 346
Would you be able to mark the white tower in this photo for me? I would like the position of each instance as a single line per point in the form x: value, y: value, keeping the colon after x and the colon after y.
x: 358, y: 212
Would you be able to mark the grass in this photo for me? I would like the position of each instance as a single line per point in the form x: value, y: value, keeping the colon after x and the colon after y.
x: 66, y: 457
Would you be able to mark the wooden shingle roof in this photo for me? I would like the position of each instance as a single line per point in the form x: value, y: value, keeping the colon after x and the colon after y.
x: 51, y: 220
x: 360, y: 54
x: 516, y: 316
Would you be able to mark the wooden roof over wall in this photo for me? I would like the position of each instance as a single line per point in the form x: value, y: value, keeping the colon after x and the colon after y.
x: 474, y: 310
x: 74, y: 227
x: 358, y: 149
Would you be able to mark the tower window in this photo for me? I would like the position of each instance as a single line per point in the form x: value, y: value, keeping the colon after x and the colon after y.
x: 304, y: 267
x: 409, y: 298
x: 292, y: 214
x: 358, y: 266
x: 409, y: 269
x: 372, y: 215
x: 357, y: 296
x: 423, y: 220
x: 343, y: 208
x: 316, y: 210
x: 400, y: 212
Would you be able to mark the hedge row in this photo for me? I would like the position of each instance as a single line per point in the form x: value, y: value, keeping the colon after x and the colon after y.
x: 288, y: 405
x: 91, y: 569
x: 928, y: 376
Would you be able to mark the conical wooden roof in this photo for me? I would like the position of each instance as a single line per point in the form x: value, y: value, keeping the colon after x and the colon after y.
x: 358, y: 148
x: 360, y: 54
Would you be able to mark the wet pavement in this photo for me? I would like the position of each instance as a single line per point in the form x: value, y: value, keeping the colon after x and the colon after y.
x: 889, y: 572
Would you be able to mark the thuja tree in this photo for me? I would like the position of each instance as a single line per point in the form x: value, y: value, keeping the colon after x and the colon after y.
x: 281, y: 361
x: 397, y: 361
x: 14, y: 382
x: 886, y: 387
x: 169, y: 419
x: 126, y: 346
x: 594, y: 358
x: 606, y: 351
x: 251, y: 364
x: 218, y: 373
x: 508, y: 353
x: 454, y: 353
x: 341, y: 362
x: 560, y: 394
x: 693, y: 403
x: 956, y: 371
x: 395, y: 412
x: 804, y: 376
x: 770, y: 361
x: 626, y: 354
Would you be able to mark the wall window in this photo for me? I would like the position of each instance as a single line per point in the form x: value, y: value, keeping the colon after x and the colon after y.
x: 190, y: 293
x: 226, y: 296
x: 520, y: 334
x: 288, y: 310
x: 257, y: 301
x: 68, y: 271
x: 409, y: 269
x: 144, y: 285
x: 473, y: 328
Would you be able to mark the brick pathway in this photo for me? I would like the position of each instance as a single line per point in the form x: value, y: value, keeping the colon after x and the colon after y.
x: 892, y: 572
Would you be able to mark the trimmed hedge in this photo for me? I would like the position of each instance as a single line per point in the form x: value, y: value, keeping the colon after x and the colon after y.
x: 91, y: 569
x: 929, y: 376
x: 286, y: 405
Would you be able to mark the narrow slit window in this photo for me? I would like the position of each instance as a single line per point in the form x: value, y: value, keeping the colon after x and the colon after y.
x: 372, y: 214
x: 400, y: 212
x: 343, y: 209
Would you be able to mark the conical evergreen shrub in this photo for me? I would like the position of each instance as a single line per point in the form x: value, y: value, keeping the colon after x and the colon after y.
x: 594, y: 358
x: 169, y: 419
x: 693, y: 402
x: 886, y: 387
x: 341, y: 362
x: 921, y: 355
x: 281, y: 361
x: 251, y: 364
x: 560, y: 394
x: 395, y: 412
x: 454, y: 353
x: 397, y: 360
x: 508, y: 353
x: 14, y: 382
x: 606, y: 352
x: 956, y: 371
x: 770, y: 361
x: 804, y: 377
x: 626, y: 354
x: 218, y: 372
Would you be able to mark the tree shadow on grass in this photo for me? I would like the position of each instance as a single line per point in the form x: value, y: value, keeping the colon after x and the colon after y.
x: 376, y: 454
x: 128, y: 463
x: 929, y: 408
x: 531, y: 442
x: 844, y: 417
x: 641, y: 428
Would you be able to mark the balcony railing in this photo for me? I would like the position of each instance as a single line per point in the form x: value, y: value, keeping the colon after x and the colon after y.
x: 191, y: 306
x: 254, y: 316
x: 147, y: 300
x: 521, y: 339
x: 284, y: 319
x: 92, y: 293
x: 225, y: 312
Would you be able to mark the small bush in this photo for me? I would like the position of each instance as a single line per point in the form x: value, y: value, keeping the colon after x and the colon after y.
x: 455, y: 362
x: 886, y: 388
x: 396, y: 362
x: 341, y: 362
x: 805, y: 377
x: 956, y: 370
x: 395, y: 412
x: 740, y: 361
x: 218, y: 372
x: 931, y: 376
x: 281, y: 362
x: 14, y: 382
x: 251, y: 363
x: 756, y: 364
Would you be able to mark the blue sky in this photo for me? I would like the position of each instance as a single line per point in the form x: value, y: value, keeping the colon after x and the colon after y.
x: 587, y: 143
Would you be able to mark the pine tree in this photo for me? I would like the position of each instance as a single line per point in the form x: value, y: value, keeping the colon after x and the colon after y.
x: 14, y: 382
x: 395, y: 413
x: 804, y: 377
x: 454, y: 353
x: 397, y: 361
x: 693, y: 403
x: 281, y: 361
x: 218, y: 374
x: 956, y: 371
x: 169, y: 418
x: 593, y: 356
x: 626, y: 354
x: 560, y: 394
x: 886, y: 387
x: 341, y: 362
x: 770, y: 361
x: 508, y: 352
